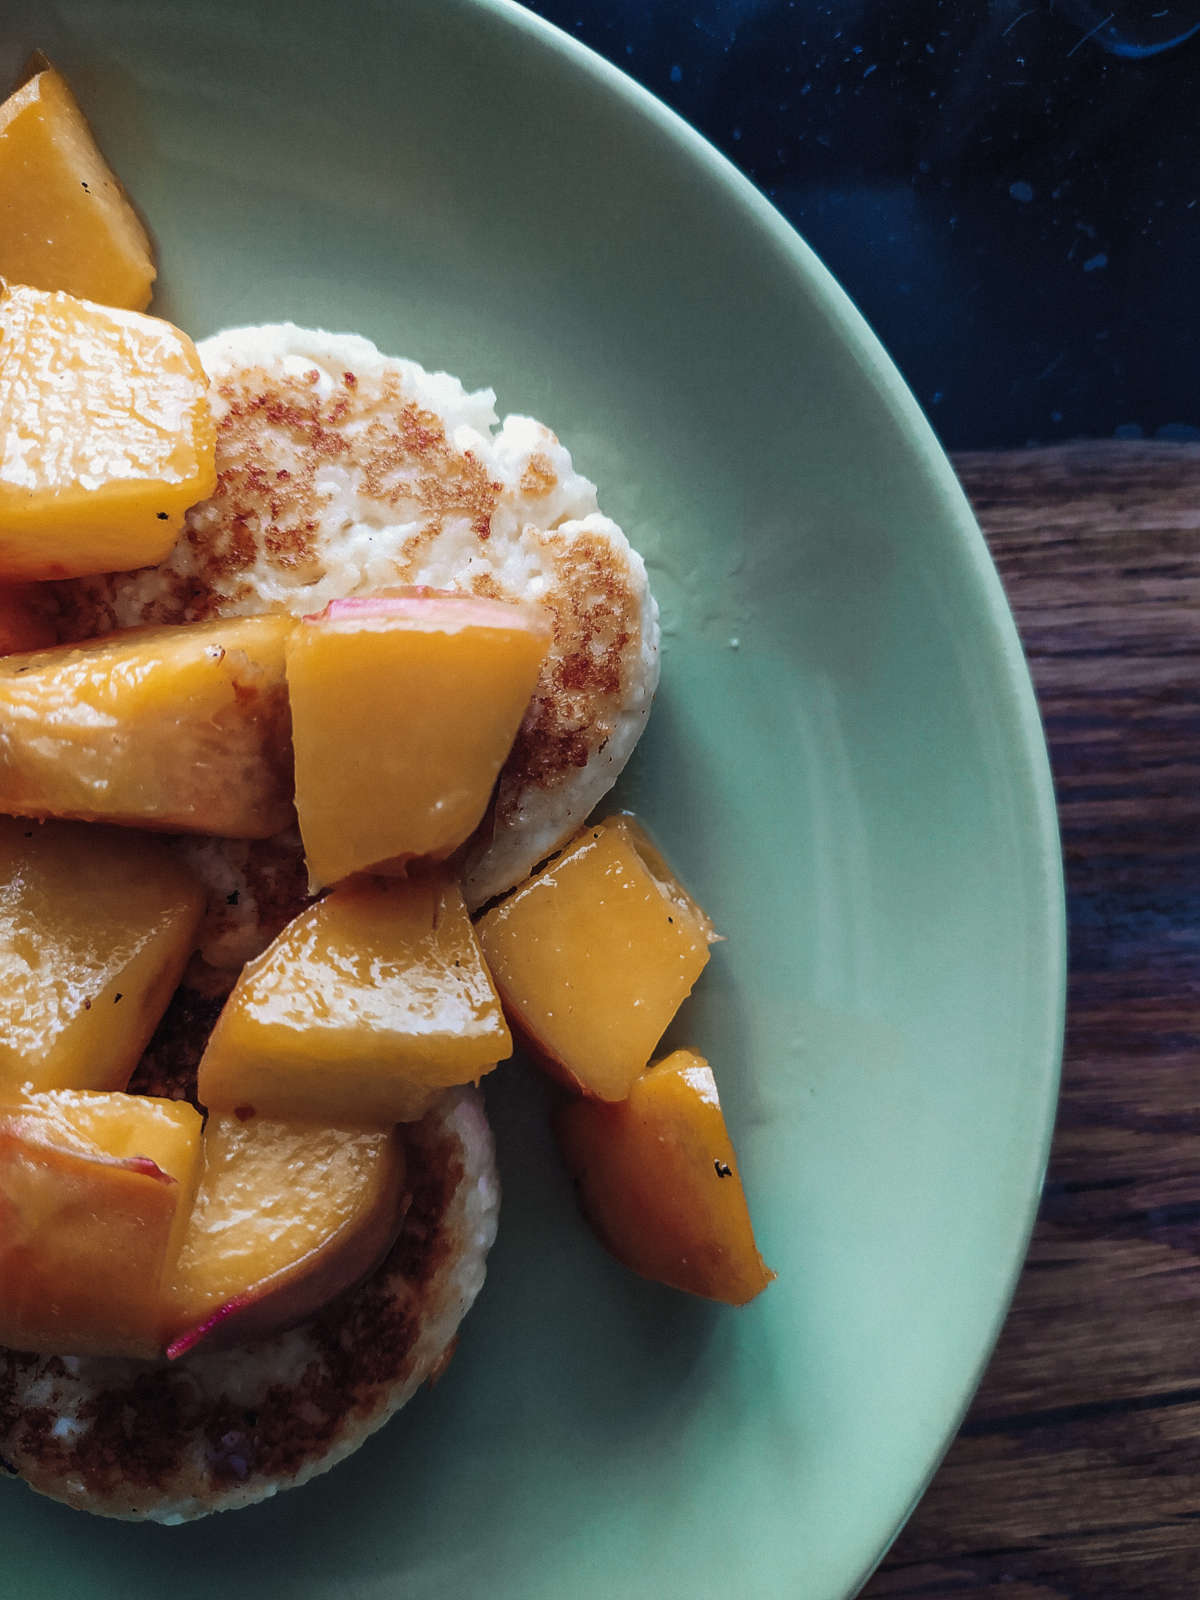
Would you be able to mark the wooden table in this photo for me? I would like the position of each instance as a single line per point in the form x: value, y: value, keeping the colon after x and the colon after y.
x: 1077, y: 1473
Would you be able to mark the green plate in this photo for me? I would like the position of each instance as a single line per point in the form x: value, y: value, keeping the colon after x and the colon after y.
x: 845, y: 763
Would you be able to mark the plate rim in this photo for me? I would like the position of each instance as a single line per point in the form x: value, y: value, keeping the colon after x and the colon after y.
x: 1024, y: 731
x: 1047, y: 1009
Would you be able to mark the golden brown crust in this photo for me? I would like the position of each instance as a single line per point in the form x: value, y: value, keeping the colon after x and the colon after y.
x: 584, y: 686
x: 226, y: 1428
x: 138, y: 1434
x: 304, y: 452
x: 223, y: 1428
x: 276, y: 433
x: 254, y: 887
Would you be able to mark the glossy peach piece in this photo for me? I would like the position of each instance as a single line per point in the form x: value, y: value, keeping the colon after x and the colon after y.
x: 65, y: 221
x: 106, y: 437
x: 403, y: 710
x: 594, y: 954
x: 659, y: 1182
x: 366, y: 1007
x: 95, y: 1190
x: 286, y: 1217
x: 180, y: 728
x: 96, y: 927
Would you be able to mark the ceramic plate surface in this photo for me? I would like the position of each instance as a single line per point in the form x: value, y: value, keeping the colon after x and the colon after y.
x: 845, y: 764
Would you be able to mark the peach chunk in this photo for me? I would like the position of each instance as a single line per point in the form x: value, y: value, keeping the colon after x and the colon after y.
x: 658, y: 1180
x: 96, y: 926
x: 366, y: 1007
x: 65, y: 222
x: 106, y: 437
x: 594, y: 954
x: 287, y: 1215
x: 95, y: 1191
x: 403, y: 710
x: 182, y: 728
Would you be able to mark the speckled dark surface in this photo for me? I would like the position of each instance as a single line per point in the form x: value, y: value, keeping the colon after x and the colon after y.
x: 1010, y: 191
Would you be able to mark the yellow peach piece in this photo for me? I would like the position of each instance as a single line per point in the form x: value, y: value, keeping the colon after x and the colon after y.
x: 286, y: 1217
x: 65, y: 221
x: 181, y: 728
x: 403, y: 710
x: 594, y: 954
x: 658, y: 1180
x: 96, y: 926
x: 106, y: 437
x: 367, y: 1006
x: 95, y: 1192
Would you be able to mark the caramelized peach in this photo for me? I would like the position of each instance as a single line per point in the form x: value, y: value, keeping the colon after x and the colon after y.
x: 287, y: 1216
x: 403, y: 710
x: 366, y: 1007
x: 106, y: 437
x: 95, y: 1190
x: 96, y: 926
x: 65, y: 222
x: 181, y: 728
x: 658, y: 1180
x: 594, y: 954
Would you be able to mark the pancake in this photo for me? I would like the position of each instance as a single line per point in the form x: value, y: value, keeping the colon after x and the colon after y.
x: 342, y: 471
x: 226, y: 1428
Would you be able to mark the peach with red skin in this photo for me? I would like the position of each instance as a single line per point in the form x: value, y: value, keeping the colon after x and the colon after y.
x: 287, y: 1216
x: 404, y: 708
x: 89, y: 1222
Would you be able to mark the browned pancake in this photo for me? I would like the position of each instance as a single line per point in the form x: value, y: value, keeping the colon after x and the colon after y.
x: 225, y: 1428
x: 342, y: 471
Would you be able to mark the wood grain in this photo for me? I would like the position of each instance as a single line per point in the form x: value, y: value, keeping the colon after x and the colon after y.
x: 1077, y: 1473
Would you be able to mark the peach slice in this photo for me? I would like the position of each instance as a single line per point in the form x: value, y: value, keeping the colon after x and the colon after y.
x: 182, y: 728
x: 95, y: 1191
x: 287, y: 1215
x: 594, y: 954
x: 106, y: 437
x: 96, y: 926
x: 658, y: 1180
x: 65, y: 222
x: 403, y: 710
x: 366, y: 1007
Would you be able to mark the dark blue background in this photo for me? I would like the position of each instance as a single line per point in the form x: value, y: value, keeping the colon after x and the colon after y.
x: 1009, y: 191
